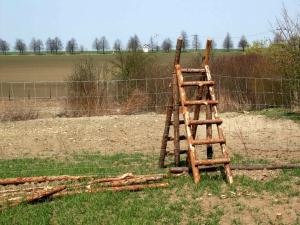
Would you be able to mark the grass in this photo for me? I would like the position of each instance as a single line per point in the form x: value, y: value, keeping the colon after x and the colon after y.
x: 95, y: 164
x: 177, y: 204
x: 279, y: 113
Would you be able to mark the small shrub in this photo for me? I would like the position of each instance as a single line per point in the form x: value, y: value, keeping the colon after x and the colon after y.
x: 85, y: 92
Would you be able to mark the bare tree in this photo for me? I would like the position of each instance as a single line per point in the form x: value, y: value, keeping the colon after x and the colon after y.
x: 243, y: 43
x: 57, y: 44
x: 166, y: 45
x: 104, y: 44
x: 4, y: 47
x: 287, y: 53
x: 36, y: 45
x: 71, y: 46
x: 186, y: 43
x: 117, y: 45
x: 228, y: 44
x: 97, y: 45
x: 134, y: 43
x: 50, y: 45
x: 20, y: 46
x: 196, y: 42
x: 54, y: 45
x: 288, y: 28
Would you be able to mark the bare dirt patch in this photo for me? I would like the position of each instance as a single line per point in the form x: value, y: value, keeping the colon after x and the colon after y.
x: 251, y: 136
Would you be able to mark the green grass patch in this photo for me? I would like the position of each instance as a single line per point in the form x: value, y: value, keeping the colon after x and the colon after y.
x: 177, y: 204
x: 95, y: 164
x: 278, y: 113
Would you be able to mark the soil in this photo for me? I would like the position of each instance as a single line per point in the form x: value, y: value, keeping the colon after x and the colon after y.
x: 250, y: 136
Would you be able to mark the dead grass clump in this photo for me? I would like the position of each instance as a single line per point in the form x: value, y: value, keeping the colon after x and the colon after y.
x: 137, y: 102
x: 250, y: 65
x: 17, y: 113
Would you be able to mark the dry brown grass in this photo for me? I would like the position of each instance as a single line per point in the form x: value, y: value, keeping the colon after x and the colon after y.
x: 16, y: 111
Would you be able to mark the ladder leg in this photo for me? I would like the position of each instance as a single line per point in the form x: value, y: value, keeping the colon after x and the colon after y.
x: 192, y: 160
x: 209, y: 149
x: 176, y: 121
x: 227, y: 166
x: 164, y: 142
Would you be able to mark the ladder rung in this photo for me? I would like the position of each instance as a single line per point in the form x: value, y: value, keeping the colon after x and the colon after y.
x: 208, y: 141
x: 198, y: 83
x: 181, y: 137
x: 180, y: 152
x: 191, y: 70
x: 207, y: 162
x: 180, y: 122
x: 200, y: 102
x: 203, y: 122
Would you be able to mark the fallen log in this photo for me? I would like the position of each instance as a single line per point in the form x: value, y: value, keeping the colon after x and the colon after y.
x: 23, y: 180
x: 43, y: 194
x: 110, y: 179
x: 128, y: 180
x: 137, y: 187
x: 37, y: 195
x: 239, y: 167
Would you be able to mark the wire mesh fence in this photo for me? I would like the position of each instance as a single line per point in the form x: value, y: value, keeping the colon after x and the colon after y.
x: 108, y: 95
x: 127, y: 135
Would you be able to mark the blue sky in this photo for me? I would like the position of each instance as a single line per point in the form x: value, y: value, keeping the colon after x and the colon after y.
x: 85, y: 20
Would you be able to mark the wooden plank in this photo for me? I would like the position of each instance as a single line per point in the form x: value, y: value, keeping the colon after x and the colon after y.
x: 208, y: 141
x: 200, y: 102
x: 192, y: 70
x: 211, y: 161
x: 203, y: 122
x: 197, y: 83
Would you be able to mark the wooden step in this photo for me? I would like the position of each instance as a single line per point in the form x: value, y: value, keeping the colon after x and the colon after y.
x: 192, y: 70
x: 209, y: 141
x: 200, y: 102
x: 207, y: 162
x: 181, y: 137
x: 180, y: 122
x: 204, y: 122
x: 198, y: 83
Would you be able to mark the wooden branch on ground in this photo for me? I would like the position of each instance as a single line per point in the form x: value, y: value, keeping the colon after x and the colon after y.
x: 137, y: 187
x: 23, y: 180
x: 128, y: 180
x: 239, y: 167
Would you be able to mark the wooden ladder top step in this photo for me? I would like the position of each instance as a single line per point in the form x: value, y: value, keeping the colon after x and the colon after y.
x: 209, y: 141
x: 192, y: 70
x: 207, y: 162
x: 181, y: 137
x: 198, y: 83
x: 180, y: 122
x: 203, y: 122
x: 200, y: 102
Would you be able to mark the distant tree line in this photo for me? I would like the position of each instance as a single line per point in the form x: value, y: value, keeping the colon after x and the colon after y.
x: 101, y: 45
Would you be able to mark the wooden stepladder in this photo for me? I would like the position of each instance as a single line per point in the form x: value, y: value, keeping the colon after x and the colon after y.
x: 189, y: 109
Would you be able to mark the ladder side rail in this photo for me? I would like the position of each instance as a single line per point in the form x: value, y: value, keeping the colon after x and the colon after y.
x: 186, y: 116
x: 220, y: 129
